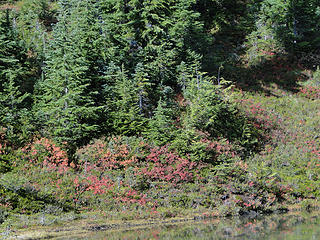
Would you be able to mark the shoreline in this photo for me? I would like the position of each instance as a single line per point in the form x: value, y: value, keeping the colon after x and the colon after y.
x: 95, y: 224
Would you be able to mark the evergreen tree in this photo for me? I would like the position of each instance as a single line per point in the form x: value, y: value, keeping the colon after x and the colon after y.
x: 33, y: 19
x: 126, y: 106
x: 141, y: 82
x: 292, y: 24
x: 14, y: 77
x: 161, y: 129
x: 304, y: 23
x: 65, y: 105
x: 157, y: 34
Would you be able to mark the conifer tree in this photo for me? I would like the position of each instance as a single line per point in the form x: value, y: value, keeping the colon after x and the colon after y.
x: 14, y: 75
x: 161, y: 129
x: 65, y: 105
x: 126, y: 112
x: 141, y: 82
x: 157, y: 34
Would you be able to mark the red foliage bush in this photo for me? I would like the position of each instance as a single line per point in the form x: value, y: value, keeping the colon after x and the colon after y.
x: 162, y: 165
x: 259, y: 117
x: 220, y: 148
x: 310, y: 92
x: 101, y: 157
x: 45, y: 153
x: 103, y: 166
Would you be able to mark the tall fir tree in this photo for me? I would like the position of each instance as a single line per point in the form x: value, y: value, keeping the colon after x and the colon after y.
x: 15, y: 81
x: 126, y: 107
x: 65, y: 101
x: 157, y: 34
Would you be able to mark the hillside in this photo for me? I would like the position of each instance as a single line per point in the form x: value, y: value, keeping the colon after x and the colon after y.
x: 133, y: 110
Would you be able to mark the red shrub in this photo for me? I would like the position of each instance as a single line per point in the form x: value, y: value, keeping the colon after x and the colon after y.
x: 101, y: 157
x: 45, y: 153
x: 220, y: 147
x: 259, y: 117
x: 310, y: 92
x: 162, y: 165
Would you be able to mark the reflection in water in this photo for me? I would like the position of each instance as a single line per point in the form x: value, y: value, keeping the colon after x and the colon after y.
x: 286, y: 226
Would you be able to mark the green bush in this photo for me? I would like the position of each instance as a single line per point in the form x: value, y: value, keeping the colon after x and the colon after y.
x: 316, y: 77
x: 18, y: 195
x: 3, y: 214
x: 211, y: 114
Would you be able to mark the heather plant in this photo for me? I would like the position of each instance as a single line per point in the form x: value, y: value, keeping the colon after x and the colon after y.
x: 316, y: 77
x: 117, y: 156
x: 249, y: 190
x: 262, y: 119
x: 162, y: 165
x: 18, y: 195
x: 3, y: 214
x: 311, y: 88
x: 295, y: 149
x: 313, y: 80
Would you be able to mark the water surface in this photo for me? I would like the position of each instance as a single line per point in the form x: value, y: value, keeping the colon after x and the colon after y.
x: 277, y: 226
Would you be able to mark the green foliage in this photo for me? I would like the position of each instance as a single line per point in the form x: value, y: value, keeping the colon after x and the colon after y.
x: 187, y: 143
x: 14, y: 78
x: 316, y: 78
x: 6, y: 155
x: 64, y: 106
x: 126, y: 105
x: 3, y: 214
x: 136, y: 69
x: 284, y: 25
x: 161, y: 129
x: 17, y: 195
x: 32, y: 20
x: 156, y: 34
x: 210, y: 113
x: 305, y: 16
x: 6, y: 160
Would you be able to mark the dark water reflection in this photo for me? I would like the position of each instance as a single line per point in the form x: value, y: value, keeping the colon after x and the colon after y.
x: 285, y: 226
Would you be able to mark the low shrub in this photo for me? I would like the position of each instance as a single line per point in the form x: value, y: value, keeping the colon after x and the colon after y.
x: 47, y: 154
x: 22, y: 197
x: 310, y: 92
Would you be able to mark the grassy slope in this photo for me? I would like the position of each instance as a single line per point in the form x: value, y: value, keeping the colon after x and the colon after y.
x: 295, y: 159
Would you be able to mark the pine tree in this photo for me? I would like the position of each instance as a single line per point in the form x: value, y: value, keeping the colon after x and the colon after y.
x: 293, y: 24
x: 142, y: 83
x: 161, y: 129
x: 126, y: 106
x: 14, y: 74
x: 65, y: 105
x: 157, y: 34
x: 33, y: 19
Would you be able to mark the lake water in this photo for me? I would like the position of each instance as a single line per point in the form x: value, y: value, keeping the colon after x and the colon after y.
x: 299, y: 226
